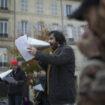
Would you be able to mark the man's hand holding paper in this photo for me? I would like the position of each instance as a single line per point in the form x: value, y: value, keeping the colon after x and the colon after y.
x: 32, y: 50
x: 23, y: 44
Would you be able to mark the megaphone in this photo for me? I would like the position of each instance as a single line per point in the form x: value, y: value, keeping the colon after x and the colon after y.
x: 4, y: 74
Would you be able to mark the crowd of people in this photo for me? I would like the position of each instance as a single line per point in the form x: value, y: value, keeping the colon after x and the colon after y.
x: 57, y: 79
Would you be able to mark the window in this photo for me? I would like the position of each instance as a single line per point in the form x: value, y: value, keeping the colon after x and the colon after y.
x: 76, y: 33
x: 3, y: 57
x: 82, y: 29
x: 54, y: 27
x: 54, y: 9
x: 39, y: 27
x: 73, y: 8
x: 40, y: 7
x: 4, y: 4
x: 24, y: 5
x: 70, y: 33
x: 24, y: 27
x: 3, y: 28
x: 68, y: 9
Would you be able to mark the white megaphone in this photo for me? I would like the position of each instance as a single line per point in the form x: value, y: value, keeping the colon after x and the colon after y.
x: 37, y: 43
x: 4, y: 74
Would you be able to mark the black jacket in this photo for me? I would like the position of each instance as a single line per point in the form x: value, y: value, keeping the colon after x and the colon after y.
x: 61, y: 81
x: 19, y: 76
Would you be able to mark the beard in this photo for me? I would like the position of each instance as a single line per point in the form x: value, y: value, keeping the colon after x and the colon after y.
x: 54, y: 46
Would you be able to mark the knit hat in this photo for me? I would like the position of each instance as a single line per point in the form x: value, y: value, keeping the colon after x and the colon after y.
x: 78, y: 14
x: 14, y: 62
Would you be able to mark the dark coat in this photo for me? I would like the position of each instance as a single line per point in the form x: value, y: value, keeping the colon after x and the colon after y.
x: 42, y: 80
x: 19, y: 76
x: 61, y: 81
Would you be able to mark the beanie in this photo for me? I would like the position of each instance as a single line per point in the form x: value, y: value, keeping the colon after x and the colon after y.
x: 14, y: 62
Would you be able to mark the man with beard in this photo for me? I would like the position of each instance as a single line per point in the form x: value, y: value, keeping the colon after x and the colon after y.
x: 60, y: 72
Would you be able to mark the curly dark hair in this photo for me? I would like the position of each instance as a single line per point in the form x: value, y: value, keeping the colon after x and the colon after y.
x: 59, y: 37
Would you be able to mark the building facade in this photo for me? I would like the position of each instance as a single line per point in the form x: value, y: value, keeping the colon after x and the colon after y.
x: 19, y: 17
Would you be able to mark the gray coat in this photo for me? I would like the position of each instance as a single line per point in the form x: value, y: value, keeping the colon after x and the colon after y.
x: 61, y: 81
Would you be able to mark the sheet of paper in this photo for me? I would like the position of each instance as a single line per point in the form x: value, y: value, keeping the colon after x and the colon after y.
x: 9, y: 79
x: 6, y: 73
x: 38, y: 87
x: 37, y: 43
x: 22, y: 45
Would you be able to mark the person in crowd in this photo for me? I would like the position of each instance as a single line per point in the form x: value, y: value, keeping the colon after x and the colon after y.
x: 41, y: 99
x: 15, y: 89
x: 91, y: 85
x: 42, y: 78
x: 89, y: 45
x: 98, y: 88
x: 88, y: 11
x: 93, y: 11
x: 61, y: 69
